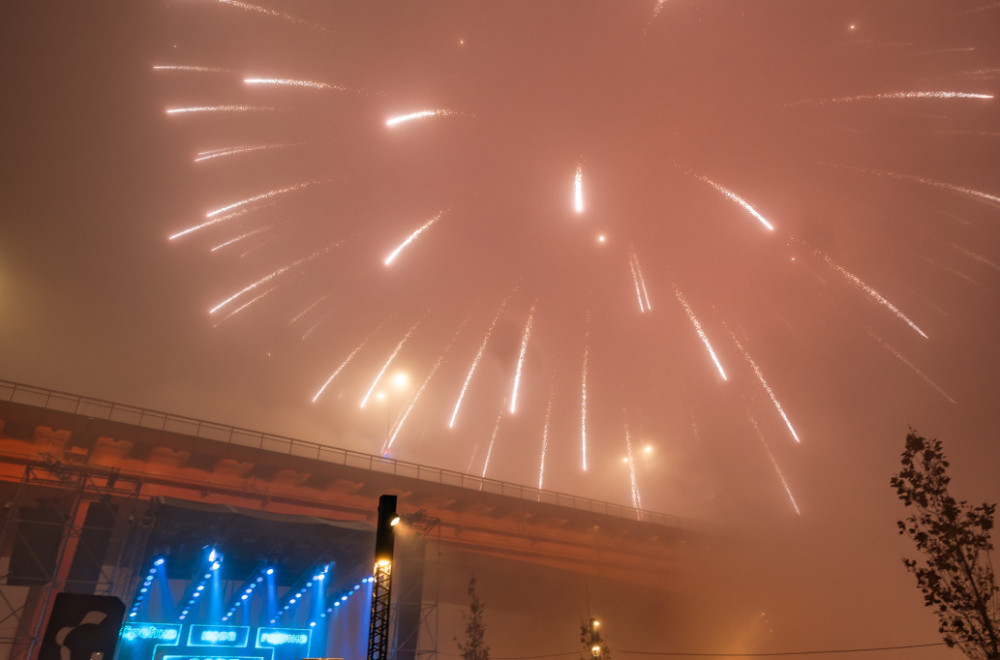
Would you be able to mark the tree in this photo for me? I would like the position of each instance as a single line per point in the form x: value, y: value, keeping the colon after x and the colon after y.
x: 474, y: 647
x: 955, y: 576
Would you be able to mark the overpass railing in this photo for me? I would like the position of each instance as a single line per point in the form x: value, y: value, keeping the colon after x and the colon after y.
x: 99, y: 409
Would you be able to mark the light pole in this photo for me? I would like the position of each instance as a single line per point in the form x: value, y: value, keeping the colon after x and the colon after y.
x: 378, y: 625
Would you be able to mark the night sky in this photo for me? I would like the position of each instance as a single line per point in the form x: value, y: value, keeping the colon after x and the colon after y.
x: 788, y: 221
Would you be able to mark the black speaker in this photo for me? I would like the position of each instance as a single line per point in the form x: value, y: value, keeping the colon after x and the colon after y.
x: 92, y: 547
x: 38, y: 534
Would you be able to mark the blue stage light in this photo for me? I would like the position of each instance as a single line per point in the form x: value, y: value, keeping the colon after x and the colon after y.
x: 270, y: 571
x: 159, y: 561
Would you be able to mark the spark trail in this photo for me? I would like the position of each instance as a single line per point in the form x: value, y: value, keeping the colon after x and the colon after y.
x: 387, y: 447
x: 730, y: 195
x: 239, y: 238
x: 636, y: 499
x: 640, y: 283
x: 395, y: 352
x: 343, y: 364
x: 767, y: 388
x: 545, y: 437
x: 899, y: 356
x: 475, y: 363
x: 195, y: 109
x: 583, y: 395
x: 272, y: 275
x: 414, y: 116
x: 493, y: 439
x: 891, y: 96
x: 292, y: 82
x: 578, y: 190
x: 701, y: 333
x: 190, y: 68
x: 409, y: 239
x: 774, y: 463
x: 258, y: 198
x: 525, y: 336
x: 872, y: 293
x: 273, y: 13
x: 212, y: 154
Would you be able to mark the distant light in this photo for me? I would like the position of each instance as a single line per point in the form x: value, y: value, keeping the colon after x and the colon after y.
x: 270, y: 571
x: 201, y: 587
x: 309, y: 584
x: 143, y: 590
x: 337, y: 604
x: 208, y: 575
x: 159, y: 561
x: 212, y: 555
x: 215, y: 566
x: 400, y: 380
x: 394, y: 521
x: 132, y: 614
x: 357, y: 586
x: 260, y: 579
x: 320, y: 577
x: 648, y: 449
x: 196, y: 594
x: 343, y: 598
x: 602, y: 238
x: 312, y: 624
x: 595, y: 650
x: 596, y: 623
x: 243, y: 597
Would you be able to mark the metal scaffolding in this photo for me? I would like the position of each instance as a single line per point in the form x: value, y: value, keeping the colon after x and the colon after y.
x: 68, y: 528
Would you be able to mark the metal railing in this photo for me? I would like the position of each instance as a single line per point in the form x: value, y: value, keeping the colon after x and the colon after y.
x: 152, y: 419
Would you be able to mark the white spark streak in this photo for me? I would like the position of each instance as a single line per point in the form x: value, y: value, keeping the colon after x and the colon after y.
x: 475, y: 364
x: 291, y: 82
x: 872, y: 293
x: 640, y: 283
x: 635, y: 281
x: 583, y: 396
x: 729, y: 194
x: 939, y: 184
x: 257, y: 198
x: 493, y: 439
x: 207, y: 223
x: 701, y: 333
x: 636, y: 499
x: 413, y: 116
x: 343, y: 364
x: 271, y: 276
x: 385, y: 366
x: 189, y: 67
x: 212, y: 154
x: 311, y: 307
x: 899, y: 356
x: 525, y: 336
x: 774, y: 463
x: 256, y: 9
x: 578, y: 190
x: 219, y: 108
x: 239, y: 238
x: 239, y: 309
x: 767, y: 388
x: 889, y: 96
x: 409, y: 239
x: 545, y: 438
x: 387, y: 447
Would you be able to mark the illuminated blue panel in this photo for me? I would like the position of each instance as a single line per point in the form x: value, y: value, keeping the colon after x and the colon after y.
x: 212, y: 657
x: 201, y: 635
x: 272, y: 637
x: 167, y: 634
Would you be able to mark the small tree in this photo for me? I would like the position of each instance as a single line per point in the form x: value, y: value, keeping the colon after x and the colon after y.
x: 474, y: 647
x: 956, y: 576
